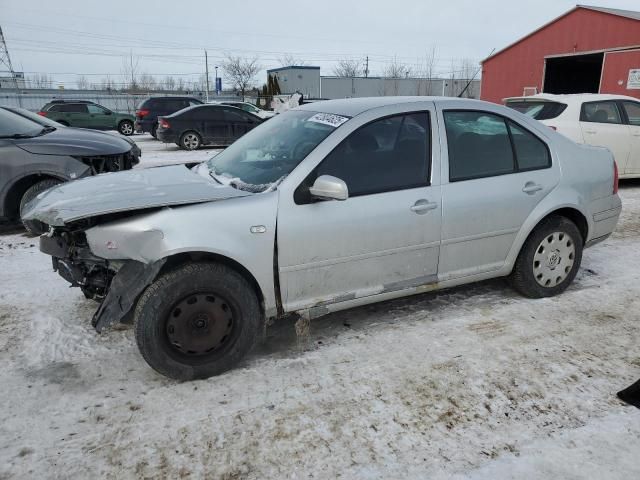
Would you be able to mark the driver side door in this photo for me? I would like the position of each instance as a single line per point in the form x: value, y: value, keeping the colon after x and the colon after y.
x: 385, y: 237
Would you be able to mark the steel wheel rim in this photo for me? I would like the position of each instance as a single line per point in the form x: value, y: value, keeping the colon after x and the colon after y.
x: 127, y: 128
x: 200, y: 324
x: 191, y: 141
x: 553, y: 259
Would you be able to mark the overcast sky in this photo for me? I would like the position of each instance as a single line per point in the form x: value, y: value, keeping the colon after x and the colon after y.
x: 69, y: 37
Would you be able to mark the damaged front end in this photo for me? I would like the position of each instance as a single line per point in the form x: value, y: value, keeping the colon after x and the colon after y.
x: 116, y: 284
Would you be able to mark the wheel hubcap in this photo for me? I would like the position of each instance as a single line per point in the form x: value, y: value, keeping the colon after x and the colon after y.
x: 191, y: 141
x: 127, y: 128
x: 199, y: 324
x: 554, y: 259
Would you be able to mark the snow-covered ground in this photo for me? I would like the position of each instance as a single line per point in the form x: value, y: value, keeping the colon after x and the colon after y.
x: 475, y: 382
x: 155, y: 153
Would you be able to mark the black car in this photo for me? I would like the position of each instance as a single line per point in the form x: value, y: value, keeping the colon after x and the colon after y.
x: 35, y: 157
x: 150, y: 109
x: 192, y: 127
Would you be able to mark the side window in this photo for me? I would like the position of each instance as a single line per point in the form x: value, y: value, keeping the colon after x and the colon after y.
x: 632, y: 109
x: 56, y: 108
x: 479, y: 145
x: 531, y: 152
x: 393, y: 153
x: 235, y: 116
x: 76, y: 108
x: 211, y: 114
x: 600, y: 112
x: 95, y: 109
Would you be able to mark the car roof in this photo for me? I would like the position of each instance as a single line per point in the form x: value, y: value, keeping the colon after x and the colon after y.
x: 570, y: 98
x: 350, y: 107
x: 70, y: 101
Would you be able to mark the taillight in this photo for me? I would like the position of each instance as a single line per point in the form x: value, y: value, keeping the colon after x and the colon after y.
x: 164, y: 123
x: 44, y: 114
x: 142, y: 113
x: 615, y: 177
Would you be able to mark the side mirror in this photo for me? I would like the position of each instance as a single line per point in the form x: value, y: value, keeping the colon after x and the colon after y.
x: 108, y: 112
x: 327, y: 187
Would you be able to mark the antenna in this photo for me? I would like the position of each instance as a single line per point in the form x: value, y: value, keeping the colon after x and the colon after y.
x: 5, y: 60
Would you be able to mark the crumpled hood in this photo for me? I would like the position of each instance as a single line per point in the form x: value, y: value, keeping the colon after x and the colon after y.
x: 76, y: 142
x: 125, y: 191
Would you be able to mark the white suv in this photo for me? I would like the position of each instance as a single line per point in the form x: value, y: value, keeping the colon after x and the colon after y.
x: 611, y: 121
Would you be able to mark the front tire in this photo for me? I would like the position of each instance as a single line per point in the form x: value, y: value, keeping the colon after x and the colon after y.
x: 197, y: 321
x: 125, y: 127
x: 35, y: 227
x: 549, y: 259
x: 190, y: 141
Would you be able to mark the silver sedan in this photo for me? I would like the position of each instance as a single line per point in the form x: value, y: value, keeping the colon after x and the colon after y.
x: 328, y: 206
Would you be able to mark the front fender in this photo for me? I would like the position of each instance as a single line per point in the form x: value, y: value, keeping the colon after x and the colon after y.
x: 221, y: 228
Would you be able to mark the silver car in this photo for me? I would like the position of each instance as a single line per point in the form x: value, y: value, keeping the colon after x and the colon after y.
x: 326, y: 207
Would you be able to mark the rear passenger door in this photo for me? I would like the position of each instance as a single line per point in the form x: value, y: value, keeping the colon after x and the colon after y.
x: 602, y: 126
x: 632, y: 114
x: 497, y: 172
x: 215, y: 125
x: 239, y: 123
x: 75, y: 114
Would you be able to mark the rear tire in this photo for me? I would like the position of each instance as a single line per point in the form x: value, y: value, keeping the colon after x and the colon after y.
x: 154, y: 128
x: 125, y: 127
x: 549, y: 260
x: 197, y: 321
x: 190, y: 140
x: 34, y: 227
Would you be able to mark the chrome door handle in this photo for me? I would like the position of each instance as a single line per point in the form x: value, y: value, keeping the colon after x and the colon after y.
x: 531, y: 188
x: 590, y: 132
x: 422, y: 206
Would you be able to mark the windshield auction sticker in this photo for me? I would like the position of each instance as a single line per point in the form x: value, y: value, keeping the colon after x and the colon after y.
x: 328, y: 119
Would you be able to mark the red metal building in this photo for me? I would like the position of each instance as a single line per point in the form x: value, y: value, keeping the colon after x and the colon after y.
x: 586, y: 50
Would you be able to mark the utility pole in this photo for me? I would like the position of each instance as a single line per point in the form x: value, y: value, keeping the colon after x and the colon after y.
x: 132, y: 72
x: 5, y: 60
x: 206, y: 69
x: 366, y: 68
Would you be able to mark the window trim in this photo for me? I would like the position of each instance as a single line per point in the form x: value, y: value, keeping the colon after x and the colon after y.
x: 615, y: 104
x: 514, y: 153
x: 623, y: 110
x: 429, y: 159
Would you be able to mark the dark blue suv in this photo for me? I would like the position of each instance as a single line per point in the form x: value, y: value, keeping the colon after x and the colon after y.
x: 150, y: 109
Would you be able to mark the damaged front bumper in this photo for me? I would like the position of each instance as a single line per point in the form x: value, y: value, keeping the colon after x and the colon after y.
x: 115, y: 284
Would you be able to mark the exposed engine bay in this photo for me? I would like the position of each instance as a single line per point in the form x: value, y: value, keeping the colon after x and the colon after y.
x: 115, y: 284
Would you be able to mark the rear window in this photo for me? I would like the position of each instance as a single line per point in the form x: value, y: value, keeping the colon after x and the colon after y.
x: 539, y: 110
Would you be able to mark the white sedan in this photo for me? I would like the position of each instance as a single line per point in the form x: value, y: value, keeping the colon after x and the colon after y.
x: 611, y: 121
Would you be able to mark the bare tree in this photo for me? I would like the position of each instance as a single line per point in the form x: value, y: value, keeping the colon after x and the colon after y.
x: 396, y: 69
x: 348, y: 68
x: 40, y: 80
x: 241, y: 71
x: 130, y: 72
x: 288, y: 59
x: 147, y: 82
x: 82, y: 83
x: 169, y: 83
x: 180, y: 84
x: 429, y: 69
x: 107, y: 84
